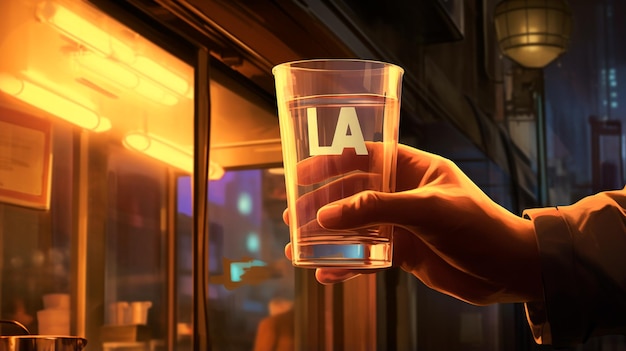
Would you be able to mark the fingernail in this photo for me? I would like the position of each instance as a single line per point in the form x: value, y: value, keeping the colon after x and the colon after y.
x: 333, y: 276
x: 329, y: 215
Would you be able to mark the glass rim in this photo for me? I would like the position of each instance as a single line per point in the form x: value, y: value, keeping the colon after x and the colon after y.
x: 294, y: 64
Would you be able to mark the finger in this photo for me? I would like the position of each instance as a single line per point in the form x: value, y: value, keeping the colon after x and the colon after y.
x: 427, y: 213
x: 329, y: 276
x: 419, y: 166
x: 369, y: 208
x: 349, y: 185
x: 288, y: 252
x: 346, y: 186
x: 409, y: 254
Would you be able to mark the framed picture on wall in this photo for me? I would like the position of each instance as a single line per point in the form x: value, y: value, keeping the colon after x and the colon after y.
x: 25, y: 159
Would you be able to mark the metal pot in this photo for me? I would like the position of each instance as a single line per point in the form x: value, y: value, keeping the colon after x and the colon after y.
x: 42, y: 343
x: 29, y: 342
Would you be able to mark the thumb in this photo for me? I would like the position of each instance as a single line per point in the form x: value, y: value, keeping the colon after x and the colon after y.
x: 369, y: 208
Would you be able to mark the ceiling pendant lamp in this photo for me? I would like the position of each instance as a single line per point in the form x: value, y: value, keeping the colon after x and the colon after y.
x: 533, y: 33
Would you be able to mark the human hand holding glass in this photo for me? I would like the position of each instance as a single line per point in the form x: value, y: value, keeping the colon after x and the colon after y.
x: 328, y: 110
x: 448, y: 233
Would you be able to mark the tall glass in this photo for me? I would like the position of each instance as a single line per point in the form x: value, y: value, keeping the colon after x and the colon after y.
x: 339, y: 122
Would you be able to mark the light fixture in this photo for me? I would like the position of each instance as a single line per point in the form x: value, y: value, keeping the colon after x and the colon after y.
x: 101, y: 42
x: 53, y: 103
x: 155, y: 92
x: 107, y: 69
x: 160, y: 149
x: 160, y: 74
x: 83, y: 31
x: 533, y: 32
x: 167, y: 152
x: 216, y: 171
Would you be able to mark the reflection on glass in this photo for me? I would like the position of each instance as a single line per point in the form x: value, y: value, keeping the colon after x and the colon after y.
x: 52, y: 102
x: 80, y: 29
x: 160, y: 149
x: 250, y: 278
x: 103, y: 239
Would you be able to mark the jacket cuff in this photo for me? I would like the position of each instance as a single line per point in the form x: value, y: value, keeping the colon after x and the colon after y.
x: 555, y: 243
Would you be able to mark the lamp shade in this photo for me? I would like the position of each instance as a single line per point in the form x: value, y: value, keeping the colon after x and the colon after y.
x: 533, y: 32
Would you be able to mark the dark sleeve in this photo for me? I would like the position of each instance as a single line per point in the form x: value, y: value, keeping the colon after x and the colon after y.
x: 583, y: 263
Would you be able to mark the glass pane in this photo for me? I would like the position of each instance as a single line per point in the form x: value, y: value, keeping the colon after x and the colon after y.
x: 96, y: 125
x: 251, y: 283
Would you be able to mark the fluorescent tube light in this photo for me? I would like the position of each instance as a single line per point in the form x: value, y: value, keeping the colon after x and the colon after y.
x: 160, y: 149
x: 161, y: 75
x: 155, y: 92
x: 100, y: 41
x: 81, y: 30
x: 215, y: 170
x: 117, y: 73
x: 167, y: 152
x: 107, y: 69
x: 53, y: 103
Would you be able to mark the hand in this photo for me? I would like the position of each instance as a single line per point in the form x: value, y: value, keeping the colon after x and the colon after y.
x: 448, y: 233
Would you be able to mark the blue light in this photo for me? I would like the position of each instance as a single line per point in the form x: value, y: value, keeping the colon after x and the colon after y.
x: 244, y: 203
x: 237, y: 269
x: 185, y: 197
x: 344, y: 251
x: 252, y: 242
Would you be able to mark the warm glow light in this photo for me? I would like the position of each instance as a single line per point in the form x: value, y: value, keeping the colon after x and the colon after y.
x: 107, y: 69
x: 160, y: 149
x: 105, y: 124
x: 533, y: 32
x: 215, y: 171
x: 161, y: 75
x: 53, y: 103
x: 155, y: 92
x: 100, y: 41
x: 167, y: 152
x: 276, y: 171
x: 115, y: 72
x: 83, y: 31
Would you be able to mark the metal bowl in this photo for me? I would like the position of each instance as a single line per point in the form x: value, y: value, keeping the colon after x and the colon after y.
x: 42, y: 343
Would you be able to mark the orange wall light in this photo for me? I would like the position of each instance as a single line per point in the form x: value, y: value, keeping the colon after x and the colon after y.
x: 166, y: 152
x: 53, y: 103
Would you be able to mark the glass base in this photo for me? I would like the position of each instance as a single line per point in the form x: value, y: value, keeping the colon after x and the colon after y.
x: 343, y: 254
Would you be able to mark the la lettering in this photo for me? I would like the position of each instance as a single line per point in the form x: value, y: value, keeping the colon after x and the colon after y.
x: 347, y: 120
